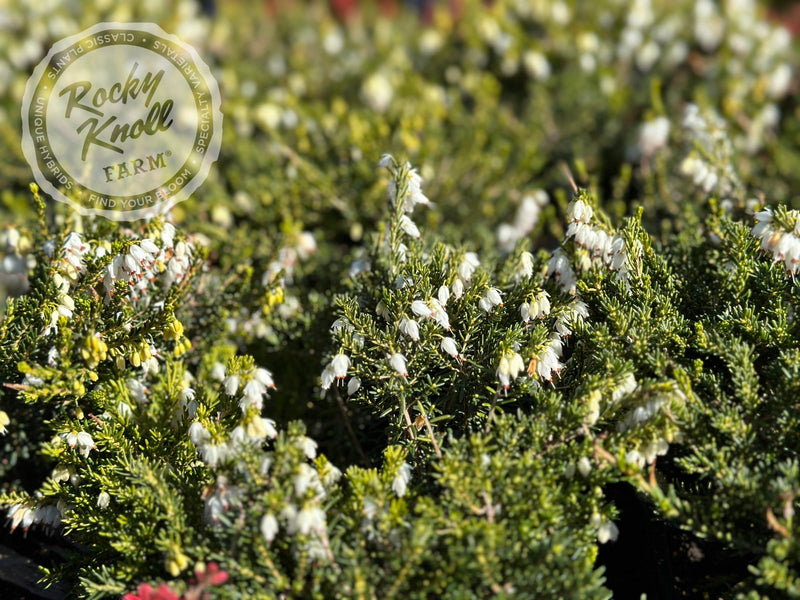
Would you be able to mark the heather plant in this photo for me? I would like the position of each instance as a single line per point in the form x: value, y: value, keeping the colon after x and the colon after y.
x: 341, y: 373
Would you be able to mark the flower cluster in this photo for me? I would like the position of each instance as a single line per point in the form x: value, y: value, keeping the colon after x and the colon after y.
x: 648, y: 404
x: 80, y: 440
x: 70, y: 266
x: 301, y: 514
x: 709, y: 165
x: 510, y: 366
x: 405, y: 193
x: 607, y: 531
x: 621, y: 388
x: 222, y: 498
x: 603, y: 248
x: 758, y: 57
x: 645, y: 39
x: 434, y: 308
x: 492, y: 297
x: 214, y: 448
x: 144, y: 262
x: 411, y: 194
x: 298, y: 247
x: 560, y: 269
x: 779, y: 237
x: 28, y: 514
x: 530, y: 207
x: 547, y: 362
x: 336, y: 370
x: 253, y: 384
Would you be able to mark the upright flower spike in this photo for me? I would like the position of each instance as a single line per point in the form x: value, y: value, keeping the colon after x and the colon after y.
x: 407, y: 180
x: 714, y: 174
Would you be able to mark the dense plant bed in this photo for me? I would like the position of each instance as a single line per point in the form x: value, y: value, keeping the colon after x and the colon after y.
x: 497, y: 302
